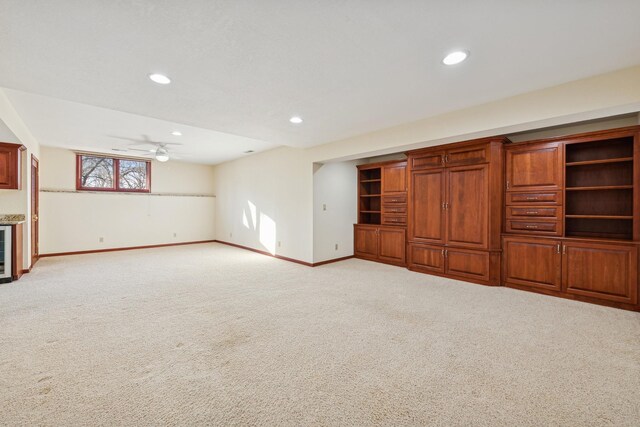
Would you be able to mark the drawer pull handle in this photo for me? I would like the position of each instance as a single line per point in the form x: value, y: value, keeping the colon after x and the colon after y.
x: 530, y: 226
x: 532, y: 212
x: 532, y: 198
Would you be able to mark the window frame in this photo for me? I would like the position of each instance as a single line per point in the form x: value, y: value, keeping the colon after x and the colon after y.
x: 116, y: 174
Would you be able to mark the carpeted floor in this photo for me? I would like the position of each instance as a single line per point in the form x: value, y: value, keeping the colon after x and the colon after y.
x: 210, y: 334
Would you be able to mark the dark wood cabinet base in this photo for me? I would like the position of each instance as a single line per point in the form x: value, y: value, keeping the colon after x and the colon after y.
x: 468, y: 265
x: 590, y: 271
x: 559, y: 294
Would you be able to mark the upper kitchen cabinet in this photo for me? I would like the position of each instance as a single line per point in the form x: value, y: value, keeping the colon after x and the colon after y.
x: 534, y: 167
x: 10, y: 162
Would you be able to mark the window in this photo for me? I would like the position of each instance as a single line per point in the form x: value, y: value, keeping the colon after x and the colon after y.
x: 98, y: 173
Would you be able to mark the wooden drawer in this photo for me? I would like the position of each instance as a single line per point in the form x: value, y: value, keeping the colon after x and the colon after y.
x: 394, y: 219
x: 553, y: 228
x: 395, y: 199
x: 394, y: 209
x: 534, y: 212
x: 546, y: 197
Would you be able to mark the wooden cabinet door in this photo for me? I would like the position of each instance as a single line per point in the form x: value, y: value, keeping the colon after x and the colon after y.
x: 531, y: 262
x: 467, y: 206
x: 602, y: 271
x: 394, y: 178
x: 16, y: 251
x: 365, y: 241
x: 534, y: 167
x: 426, y: 258
x: 9, y: 167
x: 426, y: 206
x: 392, y: 244
x: 467, y: 263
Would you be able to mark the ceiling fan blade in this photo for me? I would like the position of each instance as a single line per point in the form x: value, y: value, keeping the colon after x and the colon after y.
x: 138, y: 149
x: 128, y: 139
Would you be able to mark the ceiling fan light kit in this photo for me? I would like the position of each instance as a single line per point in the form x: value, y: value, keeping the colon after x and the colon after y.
x: 162, y: 155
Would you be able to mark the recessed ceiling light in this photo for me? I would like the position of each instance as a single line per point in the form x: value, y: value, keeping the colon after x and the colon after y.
x: 455, y: 57
x: 176, y: 133
x: 160, y: 79
x: 295, y: 120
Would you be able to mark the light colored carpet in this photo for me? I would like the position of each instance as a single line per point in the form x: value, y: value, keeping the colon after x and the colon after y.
x: 210, y: 334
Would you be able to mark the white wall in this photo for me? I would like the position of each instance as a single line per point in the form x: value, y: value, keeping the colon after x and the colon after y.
x: 279, y: 182
x: 6, y: 135
x: 12, y: 201
x: 75, y: 221
x: 334, y: 188
x: 264, y: 201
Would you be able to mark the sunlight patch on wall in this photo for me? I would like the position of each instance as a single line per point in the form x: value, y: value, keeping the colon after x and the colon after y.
x: 245, y: 221
x: 253, y: 210
x: 268, y: 233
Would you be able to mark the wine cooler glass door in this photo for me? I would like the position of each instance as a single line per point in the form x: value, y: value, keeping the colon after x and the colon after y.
x: 5, y: 252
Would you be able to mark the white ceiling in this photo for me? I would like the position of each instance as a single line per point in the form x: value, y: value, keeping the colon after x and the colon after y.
x: 77, y: 126
x: 347, y: 67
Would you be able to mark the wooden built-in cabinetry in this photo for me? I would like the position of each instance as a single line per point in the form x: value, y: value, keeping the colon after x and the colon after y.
x: 380, y: 243
x: 558, y: 216
x: 454, y: 202
x: 380, y: 234
x: 10, y: 166
x: 581, y: 193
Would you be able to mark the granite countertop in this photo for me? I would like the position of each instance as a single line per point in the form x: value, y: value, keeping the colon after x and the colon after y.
x: 11, y: 219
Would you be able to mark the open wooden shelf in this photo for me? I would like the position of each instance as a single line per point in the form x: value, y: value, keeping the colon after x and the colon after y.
x: 370, y: 211
x: 599, y: 178
x: 371, y: 180
x: 370, y: 195
x: 601, y: 161
x: 601, y: 187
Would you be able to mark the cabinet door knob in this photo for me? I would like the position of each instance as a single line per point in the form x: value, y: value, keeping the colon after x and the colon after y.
x: 558, y: 248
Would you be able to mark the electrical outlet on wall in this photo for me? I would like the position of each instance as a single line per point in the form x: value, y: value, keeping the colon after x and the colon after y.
x: 279, y: 243
x: 230, y: 234
x: 175, y: 234
x: 101, y: 239
x: 336, y: 246
x: 324, y: 207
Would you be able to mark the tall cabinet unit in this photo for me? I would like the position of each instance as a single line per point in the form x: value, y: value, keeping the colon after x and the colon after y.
x: 572, y: 211
x: 380, y: 234
x: 454, y: 210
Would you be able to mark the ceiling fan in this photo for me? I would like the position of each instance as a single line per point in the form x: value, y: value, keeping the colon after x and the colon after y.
x: 160, y: 150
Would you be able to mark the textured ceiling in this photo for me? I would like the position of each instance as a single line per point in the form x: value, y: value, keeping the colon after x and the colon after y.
x: 347, y: 67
